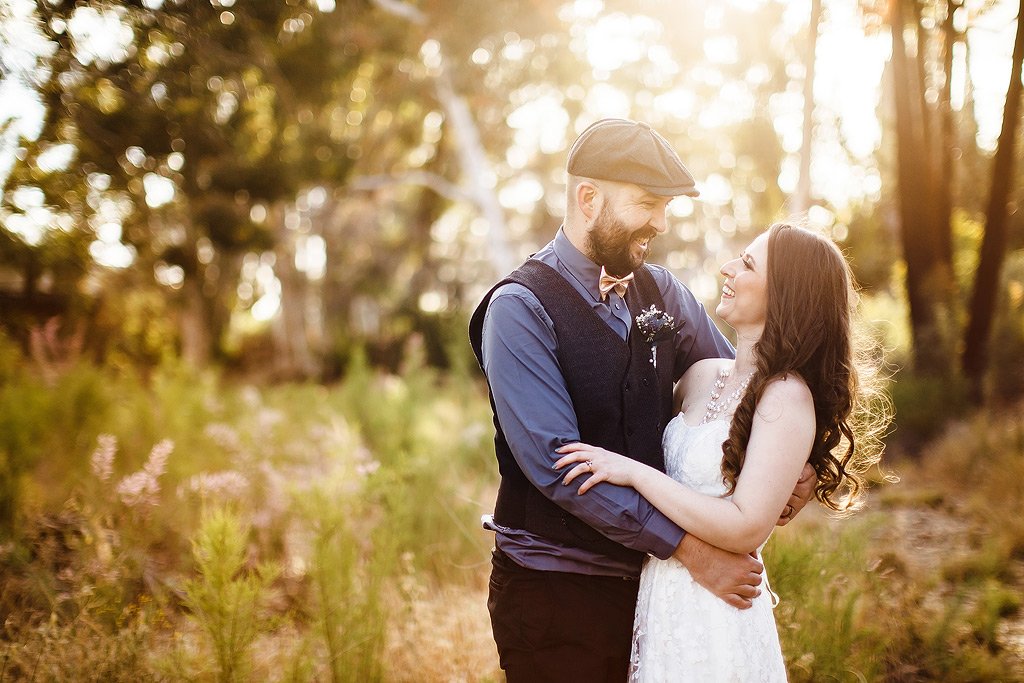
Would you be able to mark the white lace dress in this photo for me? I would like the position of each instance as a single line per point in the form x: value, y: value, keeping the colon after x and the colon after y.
x: 682, y: 632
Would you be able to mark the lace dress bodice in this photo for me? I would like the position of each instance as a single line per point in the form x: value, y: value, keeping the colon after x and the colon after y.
x: 682, y: 632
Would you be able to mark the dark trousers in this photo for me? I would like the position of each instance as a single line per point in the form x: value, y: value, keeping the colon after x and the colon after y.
x: 554, y: 626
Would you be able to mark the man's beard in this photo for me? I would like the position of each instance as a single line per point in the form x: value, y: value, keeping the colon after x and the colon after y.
x: 610, y: 243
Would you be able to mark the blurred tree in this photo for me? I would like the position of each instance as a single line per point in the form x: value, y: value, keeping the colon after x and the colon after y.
x: 802, y: 197
x: 988, y: 275
x: 293, y: 181
x: 925, y: 229
x: 209, y: 116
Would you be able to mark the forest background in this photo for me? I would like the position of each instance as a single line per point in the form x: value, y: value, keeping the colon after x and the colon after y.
x: 242, y: 435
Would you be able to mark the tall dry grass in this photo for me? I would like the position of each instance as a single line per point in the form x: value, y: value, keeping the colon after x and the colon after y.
x: 186, y: 528
x: 150, y: 519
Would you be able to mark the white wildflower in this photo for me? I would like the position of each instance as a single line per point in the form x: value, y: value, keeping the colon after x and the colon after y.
x: 140, y: 488
x: 157, y: 462
x: 365, y: 469
x: 366, y: 464
x: 102, y: 460
x: 250, y: 395
x: 268, y: 418
x: 228, y: 484
x: 225, y: 436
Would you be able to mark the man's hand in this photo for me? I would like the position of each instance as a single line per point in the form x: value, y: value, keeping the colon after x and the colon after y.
x: 733, y: 577
x: 801, y: 494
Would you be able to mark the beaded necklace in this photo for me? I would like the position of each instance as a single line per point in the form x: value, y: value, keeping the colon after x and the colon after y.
x: 716, y: 406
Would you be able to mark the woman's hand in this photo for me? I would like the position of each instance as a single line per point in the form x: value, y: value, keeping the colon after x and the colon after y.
x: 603, y: 465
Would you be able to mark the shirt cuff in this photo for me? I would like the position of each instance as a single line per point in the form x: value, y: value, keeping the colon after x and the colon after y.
x: 661, y: 536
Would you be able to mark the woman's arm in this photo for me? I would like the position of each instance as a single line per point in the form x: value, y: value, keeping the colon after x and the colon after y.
x: 780, y: 442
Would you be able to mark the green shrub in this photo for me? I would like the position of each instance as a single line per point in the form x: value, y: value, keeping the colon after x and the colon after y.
x: 227, y: 598
x: 821, y: 577
x: 925, y: 405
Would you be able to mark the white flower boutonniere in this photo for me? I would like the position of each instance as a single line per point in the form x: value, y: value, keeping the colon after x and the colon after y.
x: 656, y: 326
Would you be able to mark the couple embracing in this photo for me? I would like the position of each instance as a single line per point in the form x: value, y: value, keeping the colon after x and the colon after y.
x: 644, y: 461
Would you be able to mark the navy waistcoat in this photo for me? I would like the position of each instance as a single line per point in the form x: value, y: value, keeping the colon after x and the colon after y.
x: 621, y: 400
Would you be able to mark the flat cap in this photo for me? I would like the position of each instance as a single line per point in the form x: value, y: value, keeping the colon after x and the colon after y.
x: 630, y: 152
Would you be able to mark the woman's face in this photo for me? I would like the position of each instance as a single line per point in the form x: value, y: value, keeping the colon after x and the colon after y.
x: 744, y: 293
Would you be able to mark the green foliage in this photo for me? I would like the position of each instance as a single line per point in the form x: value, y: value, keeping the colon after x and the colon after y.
x: 823, y: 587
x: 11, y: 359
x: 1006, y: 348
x: 924, y: 405
x: 137, y: 329
x: 228, y: 597
x: 346, y: 519
x: 22, y: 431
x: 852, y: 606
x: 347, y: 574
x: 366, y: 496
x: 434, y: 450
x: 36, y: 419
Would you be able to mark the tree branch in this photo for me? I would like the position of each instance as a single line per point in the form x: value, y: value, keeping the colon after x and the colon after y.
x: 402, y: 9
x: 433, y: 181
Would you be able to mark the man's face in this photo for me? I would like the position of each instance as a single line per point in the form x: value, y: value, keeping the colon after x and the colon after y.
x: 628, y: 219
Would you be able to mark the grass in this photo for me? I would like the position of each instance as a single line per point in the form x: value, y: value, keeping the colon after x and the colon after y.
x: 346, y: 491
x: 311, y: 533
x: 925, y: 584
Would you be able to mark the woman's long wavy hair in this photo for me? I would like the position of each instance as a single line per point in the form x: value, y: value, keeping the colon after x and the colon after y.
x: 809, y: 332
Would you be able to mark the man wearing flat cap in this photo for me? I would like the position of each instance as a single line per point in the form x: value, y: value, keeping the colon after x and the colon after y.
x: 558, y: 340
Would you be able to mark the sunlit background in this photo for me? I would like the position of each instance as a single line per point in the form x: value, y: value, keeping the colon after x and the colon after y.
x: 724, y: 81
x: 242, y: 434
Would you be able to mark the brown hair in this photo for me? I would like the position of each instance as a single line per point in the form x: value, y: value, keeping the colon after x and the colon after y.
x: 809, y: 332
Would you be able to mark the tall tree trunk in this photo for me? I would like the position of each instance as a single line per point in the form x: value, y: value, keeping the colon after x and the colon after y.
x: 196, y: 336
x: 925, y: 278
x: 293, y: 358
x: 350, y: 223
x: 195, y: 331
x: 802, y: 200
x: 993, y: 245
x: 936, y: 147
x: 947, y: 142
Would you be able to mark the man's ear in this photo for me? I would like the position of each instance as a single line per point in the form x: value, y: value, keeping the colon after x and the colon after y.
x: 587, y: 199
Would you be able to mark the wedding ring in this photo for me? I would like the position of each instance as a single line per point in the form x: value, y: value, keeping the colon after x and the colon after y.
x: 787, y: 511
x: 590, y: 465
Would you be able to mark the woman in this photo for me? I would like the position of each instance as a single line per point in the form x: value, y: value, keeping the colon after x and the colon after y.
x: 799, y: 396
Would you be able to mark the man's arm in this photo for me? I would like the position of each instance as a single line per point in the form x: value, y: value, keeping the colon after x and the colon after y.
x: 733, y: 577
x: 537, y: 416
x: 699, y: 337
x: 801, y: 495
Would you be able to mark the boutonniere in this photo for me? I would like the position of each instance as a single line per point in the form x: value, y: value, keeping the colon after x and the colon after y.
x: 656, y: 326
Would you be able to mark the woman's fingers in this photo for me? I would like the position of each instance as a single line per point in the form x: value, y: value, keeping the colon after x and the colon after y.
x: 583, y: 454
x: 582, y: 468
x: 595, y: 479
x: 569, y: 459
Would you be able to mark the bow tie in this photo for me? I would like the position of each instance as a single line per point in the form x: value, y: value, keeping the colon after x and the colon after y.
x: 610, y: 282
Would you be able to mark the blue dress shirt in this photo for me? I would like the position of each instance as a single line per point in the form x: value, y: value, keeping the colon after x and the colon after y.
x: 519, y: 350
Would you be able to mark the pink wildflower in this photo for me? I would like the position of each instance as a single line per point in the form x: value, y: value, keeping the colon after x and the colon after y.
x: 157, y: 463
x: 225, y: 436
x: 140, y: 488
x: 102, y: 460
x: 229, y: 484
